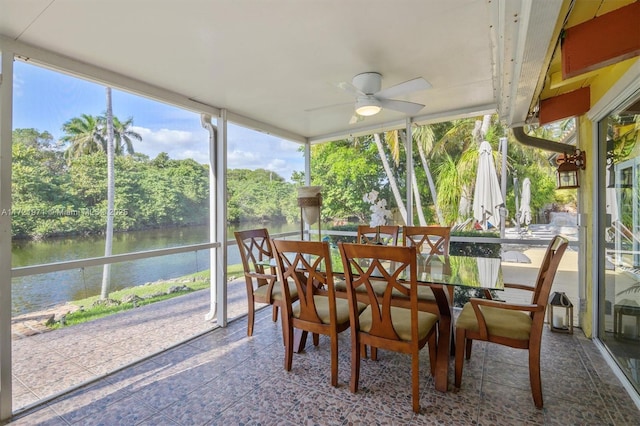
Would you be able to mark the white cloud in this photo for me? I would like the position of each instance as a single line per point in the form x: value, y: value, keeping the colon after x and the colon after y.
x: 245, y: 149
x: 288, y: 146
x: 179, y: 144
x: 18, y: 84
x: 238, y: 159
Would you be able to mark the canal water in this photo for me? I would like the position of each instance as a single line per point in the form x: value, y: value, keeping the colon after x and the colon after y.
x: 41, y: 291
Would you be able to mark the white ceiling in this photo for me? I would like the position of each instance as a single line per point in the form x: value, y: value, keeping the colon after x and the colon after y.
x: 269, y: 62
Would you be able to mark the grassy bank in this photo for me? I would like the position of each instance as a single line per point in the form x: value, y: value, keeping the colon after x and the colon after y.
x: 92, y: 308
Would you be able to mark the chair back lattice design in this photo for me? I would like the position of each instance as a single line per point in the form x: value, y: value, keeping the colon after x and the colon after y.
x: 308, y: 265
x: 260, y: 279
x: 428, y: 239
x: 368, y: 265
x: 255, y: 251
x: 381, y: 235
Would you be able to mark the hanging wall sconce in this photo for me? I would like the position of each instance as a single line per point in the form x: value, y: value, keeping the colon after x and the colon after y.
x: 568, y: 166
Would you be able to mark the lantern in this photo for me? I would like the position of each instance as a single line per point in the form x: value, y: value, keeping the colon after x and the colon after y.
x: 561, y: 322
x: 568, y: 166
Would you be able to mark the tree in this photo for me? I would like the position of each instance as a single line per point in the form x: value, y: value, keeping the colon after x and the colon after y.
x: 84, y: 134
x: 123, y: 136
x: 32, y: 138
x: 393, y: 143
x: 87, y: 135
x: 346, y: 171
x: 260, y: 195
x: 38, y: 187
x: 111, y: 192
x: 424, y: 137
x: 449, y: 187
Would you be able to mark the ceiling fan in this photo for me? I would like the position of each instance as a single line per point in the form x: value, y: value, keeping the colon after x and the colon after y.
x: 370, y: 99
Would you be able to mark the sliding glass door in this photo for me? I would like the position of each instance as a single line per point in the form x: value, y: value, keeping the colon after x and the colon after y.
x: 619, y: 286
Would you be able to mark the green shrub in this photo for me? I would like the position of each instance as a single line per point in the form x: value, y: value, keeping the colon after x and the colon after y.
x: 475, y: 249
x: 462, y: 295
x: 350, y: 227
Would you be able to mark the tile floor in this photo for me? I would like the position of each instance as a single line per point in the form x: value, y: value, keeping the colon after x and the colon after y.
x: 223, y: 377
x: 47, y: 362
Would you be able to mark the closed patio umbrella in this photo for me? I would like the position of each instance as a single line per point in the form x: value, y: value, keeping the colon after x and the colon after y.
x: 487, y: 197
x: 488, y: 271
x: 525, y: 207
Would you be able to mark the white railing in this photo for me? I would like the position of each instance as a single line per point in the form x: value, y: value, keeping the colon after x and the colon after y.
x: 103, y: 260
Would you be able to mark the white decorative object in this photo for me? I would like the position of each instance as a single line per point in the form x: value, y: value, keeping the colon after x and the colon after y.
x: 379, y: 211
x: 310, y: 200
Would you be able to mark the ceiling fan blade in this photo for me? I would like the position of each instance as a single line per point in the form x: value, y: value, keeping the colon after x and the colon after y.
x: 402, y: 106
x: 348, y: 87
x: 414, y: 85
x: 342, y: 104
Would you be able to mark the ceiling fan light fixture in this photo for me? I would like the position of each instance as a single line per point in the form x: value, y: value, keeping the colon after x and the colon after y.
x: 367, y: 107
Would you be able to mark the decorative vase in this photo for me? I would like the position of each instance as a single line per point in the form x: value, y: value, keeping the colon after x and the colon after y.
x: 310, y: 200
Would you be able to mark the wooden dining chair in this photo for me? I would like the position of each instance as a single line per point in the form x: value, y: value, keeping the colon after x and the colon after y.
x: 260, y: 278
x: 428, y: 239
x: 382, y: 325
x: 511, y: 324
x: 385, y: 234
x: 307, y: 264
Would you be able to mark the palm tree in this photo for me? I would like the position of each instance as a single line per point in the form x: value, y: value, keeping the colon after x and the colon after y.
x: 425, y: 137
x: 395, y: 152
x: 111, y: 192
x: 123, y: 136
x: 85, y: 136
x: 459, y: 145
x: 88, y: 134
x: 450, y: 188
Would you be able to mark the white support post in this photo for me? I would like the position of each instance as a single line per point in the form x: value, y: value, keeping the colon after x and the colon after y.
x: 307, y: 163
x: 503, y: 187
x: 205, y: 120
x: 6, y: 105
x: 220, y: 222
x: 409, y: 153
x: 305, y: 228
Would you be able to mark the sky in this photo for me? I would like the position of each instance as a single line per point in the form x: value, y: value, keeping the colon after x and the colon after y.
x: 45, y: 100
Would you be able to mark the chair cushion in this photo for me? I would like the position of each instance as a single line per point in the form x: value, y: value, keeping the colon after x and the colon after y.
x: 401, y: 321
x: 276, y: 294
x: 378, y: 287
x: 322, y: 307
x: 424, y: 292
x: 339, y: 284
x: 500, y: 322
